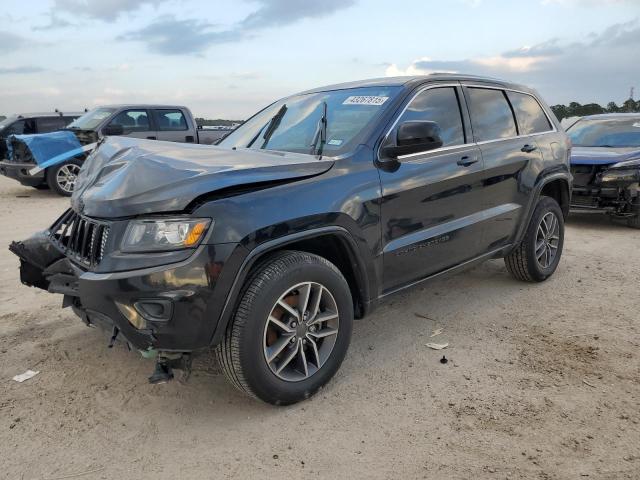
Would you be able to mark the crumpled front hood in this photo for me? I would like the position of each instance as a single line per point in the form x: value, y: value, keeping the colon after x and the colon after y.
x: 602, y: 155
x: 126, y: 176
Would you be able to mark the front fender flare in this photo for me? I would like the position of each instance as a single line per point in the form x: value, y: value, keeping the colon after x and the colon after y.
x: 259, y: 252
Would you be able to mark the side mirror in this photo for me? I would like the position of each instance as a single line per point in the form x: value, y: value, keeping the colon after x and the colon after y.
x: 413, y: 137
x: 113, y: 129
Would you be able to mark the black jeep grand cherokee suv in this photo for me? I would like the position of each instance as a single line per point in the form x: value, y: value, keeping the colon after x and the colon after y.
x: 318, y: 207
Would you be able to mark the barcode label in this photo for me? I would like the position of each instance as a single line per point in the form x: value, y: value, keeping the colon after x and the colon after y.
x: 365, y: 100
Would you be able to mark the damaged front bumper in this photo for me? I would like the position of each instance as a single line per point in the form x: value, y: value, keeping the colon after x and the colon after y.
x: 21, y: 173
x: 613, y: 190
x: 169, y: 308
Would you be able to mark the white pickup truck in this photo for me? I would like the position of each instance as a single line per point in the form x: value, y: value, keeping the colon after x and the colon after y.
x: 154, y: 122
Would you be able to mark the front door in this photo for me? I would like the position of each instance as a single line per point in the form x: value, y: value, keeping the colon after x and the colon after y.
x: 431, y: 201
x: 135, y: 123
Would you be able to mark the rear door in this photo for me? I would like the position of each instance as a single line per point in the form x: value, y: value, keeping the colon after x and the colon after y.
x: 431, y: 201
x: 507, y: 156
x: 135, y: 122
x: 173, y: 125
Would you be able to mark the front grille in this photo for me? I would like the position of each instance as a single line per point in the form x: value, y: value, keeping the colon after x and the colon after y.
x: 80, y: 238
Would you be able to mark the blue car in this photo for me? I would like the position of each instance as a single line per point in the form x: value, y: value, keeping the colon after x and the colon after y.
x: 605, y: 163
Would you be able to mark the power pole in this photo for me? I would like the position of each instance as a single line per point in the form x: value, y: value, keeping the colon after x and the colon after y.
x: 631, y: 92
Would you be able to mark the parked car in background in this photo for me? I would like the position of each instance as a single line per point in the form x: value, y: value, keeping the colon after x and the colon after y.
x: 605, y: 164
x: 46, y: 166
x: 30, y: 123
x: 310, y: 213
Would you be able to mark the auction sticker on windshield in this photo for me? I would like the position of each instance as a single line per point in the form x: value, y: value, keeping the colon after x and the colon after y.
x: 365, y: 100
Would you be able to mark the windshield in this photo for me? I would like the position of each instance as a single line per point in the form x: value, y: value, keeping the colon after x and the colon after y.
x: 7, y: 121
x: 292, y: 124
x: 613, y: 132
x: 92, y: 119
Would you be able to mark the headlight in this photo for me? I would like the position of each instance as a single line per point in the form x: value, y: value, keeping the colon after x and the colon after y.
x: 163, y: 235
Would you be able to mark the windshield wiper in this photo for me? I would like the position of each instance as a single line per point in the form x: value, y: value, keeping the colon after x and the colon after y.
x: 274, y: 123
x: 320, y: 135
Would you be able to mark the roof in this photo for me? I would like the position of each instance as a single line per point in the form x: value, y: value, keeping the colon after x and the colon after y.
x: 142, y: 105
x: 605, y: 116
x: 417, y: 79
x: 44, y: 114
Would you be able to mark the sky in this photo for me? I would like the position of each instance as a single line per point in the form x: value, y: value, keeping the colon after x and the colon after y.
x: 229, y: 58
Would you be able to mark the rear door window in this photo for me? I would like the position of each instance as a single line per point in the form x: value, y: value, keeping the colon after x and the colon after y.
x: 438, y: 105
x: 491, y: 115
x: 49, y: 124
x: 170, y: 120
x: 531, y: 117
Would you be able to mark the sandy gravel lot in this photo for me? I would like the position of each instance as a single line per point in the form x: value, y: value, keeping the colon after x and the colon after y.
x: 543, y: 382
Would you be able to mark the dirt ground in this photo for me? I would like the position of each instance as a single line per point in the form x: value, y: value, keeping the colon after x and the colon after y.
x: 543, y: 382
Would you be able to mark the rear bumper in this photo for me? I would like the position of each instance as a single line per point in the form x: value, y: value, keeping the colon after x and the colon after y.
x: 170, y: 308
x: 20, y: 172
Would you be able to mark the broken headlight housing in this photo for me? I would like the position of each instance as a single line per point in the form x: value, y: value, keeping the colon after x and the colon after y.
x: 622, y: 173
x: 634, y: 163
x: 160, y: 235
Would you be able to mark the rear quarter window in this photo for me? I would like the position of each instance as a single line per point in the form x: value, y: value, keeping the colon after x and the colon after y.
x: 531, y: 117
x: 491, y: 115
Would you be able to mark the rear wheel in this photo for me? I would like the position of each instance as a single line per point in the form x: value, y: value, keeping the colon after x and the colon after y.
x: 291, y: 330
x: 538, y: 255
x: 634, y: 222
x: 62, y: 178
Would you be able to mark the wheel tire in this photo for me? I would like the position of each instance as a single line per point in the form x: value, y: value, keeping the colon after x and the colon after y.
x: 634, y: 222
x: 522, y: 262
x: 56, y: 174
x: 242, y: 353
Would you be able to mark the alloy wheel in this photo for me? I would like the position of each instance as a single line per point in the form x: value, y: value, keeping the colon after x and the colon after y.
x: 547, y: 240
x: 300, y: 331
x: 66, y: 177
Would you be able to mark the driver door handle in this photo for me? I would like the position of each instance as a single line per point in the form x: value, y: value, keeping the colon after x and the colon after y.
x: 528, y: 148
x: 467, y: 161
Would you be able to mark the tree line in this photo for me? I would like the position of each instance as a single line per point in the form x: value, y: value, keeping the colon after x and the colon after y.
x: 574, y: 109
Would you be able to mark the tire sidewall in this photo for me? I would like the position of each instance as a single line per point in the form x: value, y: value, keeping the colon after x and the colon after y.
x: 545, y: 205
x: 264, y: 383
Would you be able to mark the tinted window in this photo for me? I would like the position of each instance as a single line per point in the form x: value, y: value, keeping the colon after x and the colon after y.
x: 438, y: 105
x: 50, y: 124
x: 491, y: 115
x: 531, y: 117
x: 169, y: 120
x: 132, y: 121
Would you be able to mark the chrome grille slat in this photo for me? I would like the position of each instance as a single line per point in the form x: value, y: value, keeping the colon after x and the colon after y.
x: 80, y: 238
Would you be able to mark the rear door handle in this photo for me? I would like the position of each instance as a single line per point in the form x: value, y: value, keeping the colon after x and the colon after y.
x: 467, y: 161
x: 528, y: 148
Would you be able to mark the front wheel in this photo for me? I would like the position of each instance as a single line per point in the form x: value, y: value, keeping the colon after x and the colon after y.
x: 537, y: 257
x: 291, y: 330
x: 62, y: 178
x: 634, y: 222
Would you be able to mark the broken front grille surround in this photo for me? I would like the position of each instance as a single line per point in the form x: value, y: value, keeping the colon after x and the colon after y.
x: 80, y: 238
